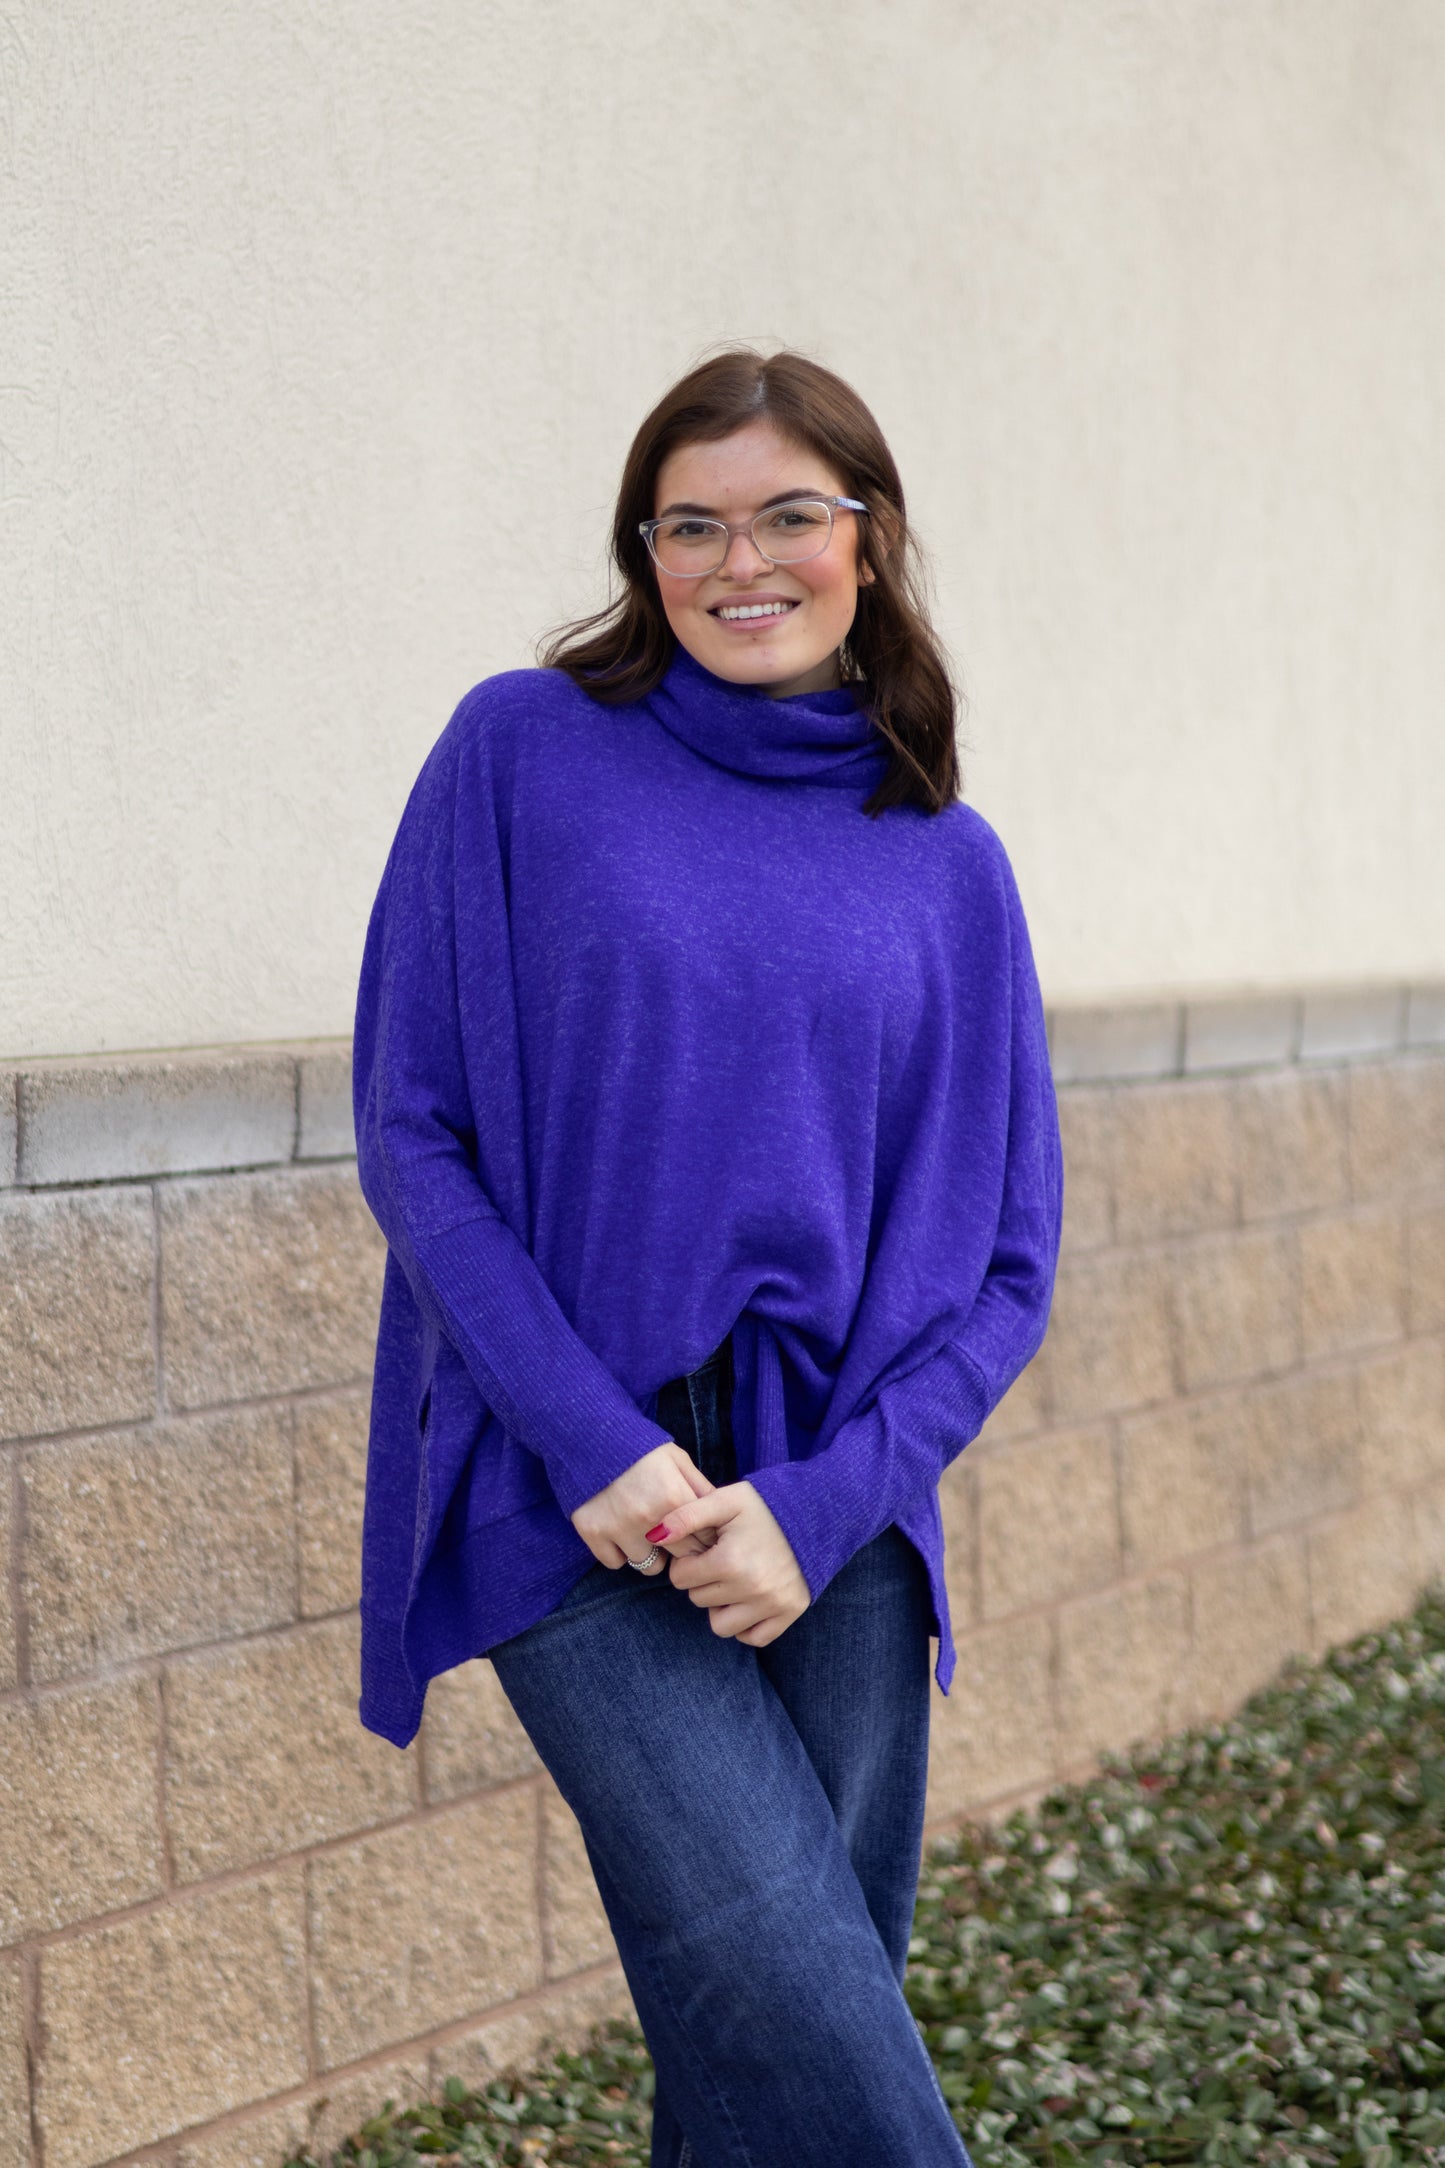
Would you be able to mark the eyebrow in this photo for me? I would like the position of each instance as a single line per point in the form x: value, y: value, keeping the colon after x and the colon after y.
x: 708, y: 511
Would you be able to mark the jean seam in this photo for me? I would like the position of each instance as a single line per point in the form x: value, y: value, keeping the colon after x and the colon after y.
x: 703, y: 1401
x: 702, y: 2069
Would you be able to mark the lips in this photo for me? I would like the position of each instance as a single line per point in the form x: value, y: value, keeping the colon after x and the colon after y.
x: 762, y: 612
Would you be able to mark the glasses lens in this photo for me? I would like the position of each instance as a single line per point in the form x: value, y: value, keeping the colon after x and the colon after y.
x: 790, y: 532
x: 689, y: 545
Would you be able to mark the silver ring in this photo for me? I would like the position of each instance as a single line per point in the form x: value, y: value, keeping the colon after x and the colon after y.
x: 642, y: 1564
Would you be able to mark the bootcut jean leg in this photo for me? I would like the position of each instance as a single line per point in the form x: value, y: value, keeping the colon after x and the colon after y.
x: 871, y: 1625
x: 776, y: 2022
x: 854, y: 1675
x: 764, y: 1962
x: 869, y: 1748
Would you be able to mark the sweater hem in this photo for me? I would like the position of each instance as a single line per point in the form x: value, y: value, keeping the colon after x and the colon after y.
x: 391, y: 1702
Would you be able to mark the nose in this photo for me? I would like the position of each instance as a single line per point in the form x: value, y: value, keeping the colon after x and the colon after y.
x: 744, y: 559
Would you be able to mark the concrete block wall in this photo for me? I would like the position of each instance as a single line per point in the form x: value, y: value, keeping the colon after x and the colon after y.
x: 1231, y: 1447
x: 231, y: 1920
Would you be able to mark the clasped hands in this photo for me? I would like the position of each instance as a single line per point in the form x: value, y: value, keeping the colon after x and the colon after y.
x: 727, y: 1549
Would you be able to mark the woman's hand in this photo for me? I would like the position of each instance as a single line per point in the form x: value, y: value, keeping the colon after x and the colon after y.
x: 611, y: 1522
x: 748, y: 1580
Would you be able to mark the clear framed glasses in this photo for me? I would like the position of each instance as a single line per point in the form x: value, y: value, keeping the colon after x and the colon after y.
x: 688, y: 545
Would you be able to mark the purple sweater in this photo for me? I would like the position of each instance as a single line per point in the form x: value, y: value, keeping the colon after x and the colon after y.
x: 659, y: 1037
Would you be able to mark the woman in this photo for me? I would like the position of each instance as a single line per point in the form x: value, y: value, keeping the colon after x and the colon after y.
x: 703, y: 1097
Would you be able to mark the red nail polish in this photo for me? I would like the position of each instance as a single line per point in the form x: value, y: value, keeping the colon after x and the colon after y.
x: 659, y: 1534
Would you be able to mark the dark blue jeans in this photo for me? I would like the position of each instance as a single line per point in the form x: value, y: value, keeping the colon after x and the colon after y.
x: 754, y: 1820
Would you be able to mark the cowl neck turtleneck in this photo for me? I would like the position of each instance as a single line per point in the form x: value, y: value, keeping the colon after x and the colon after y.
x: 823, y: 737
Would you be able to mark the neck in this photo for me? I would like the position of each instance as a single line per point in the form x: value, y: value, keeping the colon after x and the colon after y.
x: 824, y: 677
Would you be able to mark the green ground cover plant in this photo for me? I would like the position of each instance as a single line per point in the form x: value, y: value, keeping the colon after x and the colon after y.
x: 1229, y: 1949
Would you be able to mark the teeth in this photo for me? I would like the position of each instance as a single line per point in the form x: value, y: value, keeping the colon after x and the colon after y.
x: 754, y: 609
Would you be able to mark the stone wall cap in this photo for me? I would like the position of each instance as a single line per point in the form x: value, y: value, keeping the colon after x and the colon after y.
x: 1094, y: 1043
x: 171, y: 1057
x: 129, y: 1116
x: 136, y: 1114
x: 1243, y: 1031
x: 1425, y: 1015
x: 1350, y: 1023
x: 1248, y: 1028
x: 9, y: 1126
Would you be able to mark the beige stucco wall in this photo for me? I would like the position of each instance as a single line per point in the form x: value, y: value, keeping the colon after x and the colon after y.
x: 325, y: 328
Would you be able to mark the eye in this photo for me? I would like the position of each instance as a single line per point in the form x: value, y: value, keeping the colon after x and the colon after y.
x: 687, y: 530
x: 796, y: 518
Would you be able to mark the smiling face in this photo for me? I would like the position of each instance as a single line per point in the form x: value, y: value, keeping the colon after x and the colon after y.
x: 753, y: 622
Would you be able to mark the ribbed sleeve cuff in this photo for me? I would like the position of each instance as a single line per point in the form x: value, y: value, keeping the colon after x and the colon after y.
x: 823, y: 1528
x: 877, y: 1466
x: 588, y: 1464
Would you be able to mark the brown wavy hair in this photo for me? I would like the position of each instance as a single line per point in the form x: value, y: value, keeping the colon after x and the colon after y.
x: 892, y: 652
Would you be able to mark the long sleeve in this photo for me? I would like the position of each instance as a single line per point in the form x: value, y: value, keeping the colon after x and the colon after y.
x: 936, y: 1395
x: 439, y: 1152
